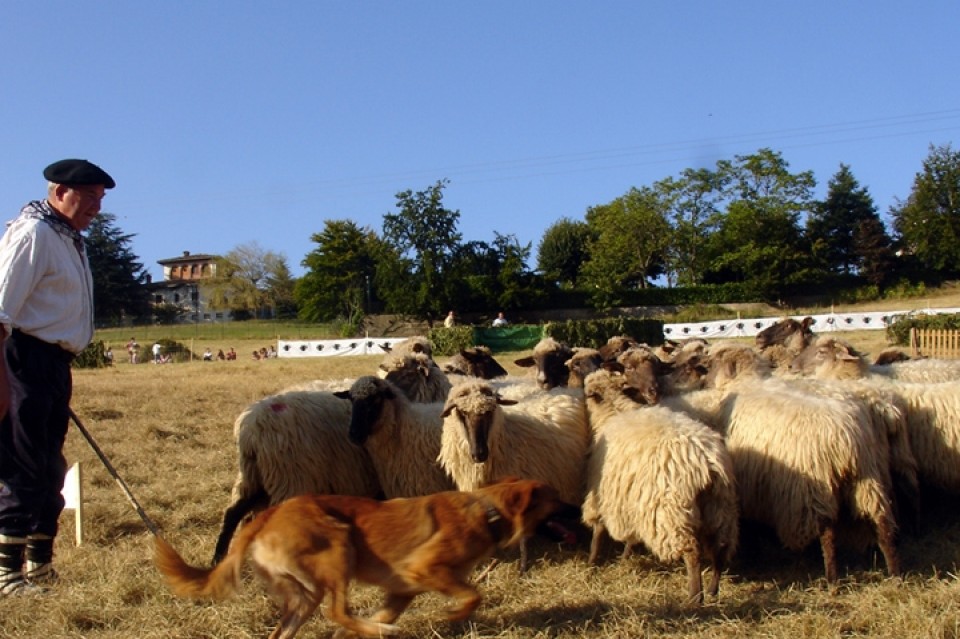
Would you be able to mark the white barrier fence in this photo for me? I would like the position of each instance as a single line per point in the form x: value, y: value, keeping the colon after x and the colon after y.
x: 336, y: 347
x: 826, y: 323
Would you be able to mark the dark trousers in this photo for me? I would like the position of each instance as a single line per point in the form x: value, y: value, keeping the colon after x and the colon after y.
x: 32, y: 466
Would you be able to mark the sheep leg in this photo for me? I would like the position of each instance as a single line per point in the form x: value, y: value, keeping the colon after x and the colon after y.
x: 232, y: 517
x: 716, y: 569
x: 691, y: 559
x: 886, y: 539
x: 829, y: 549
x: 524, y: 556
x: 599, y: 531
x: 627, y: 551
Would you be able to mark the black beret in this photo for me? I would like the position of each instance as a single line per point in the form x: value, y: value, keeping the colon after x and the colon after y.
x: 77, y: 173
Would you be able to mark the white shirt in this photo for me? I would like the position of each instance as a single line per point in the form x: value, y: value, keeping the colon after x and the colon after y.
x: 46, y: 289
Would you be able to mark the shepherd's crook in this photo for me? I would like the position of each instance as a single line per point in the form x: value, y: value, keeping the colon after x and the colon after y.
x: 113, y: 471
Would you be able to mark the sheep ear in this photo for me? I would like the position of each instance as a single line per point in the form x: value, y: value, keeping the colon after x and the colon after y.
x: 503, y: 401
x: 525, y: 362
x: 344, y: 394
x: 386, y: 347
x: 447, y: 409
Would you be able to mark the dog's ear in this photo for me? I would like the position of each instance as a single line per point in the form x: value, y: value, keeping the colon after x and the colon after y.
x: 520, y: 495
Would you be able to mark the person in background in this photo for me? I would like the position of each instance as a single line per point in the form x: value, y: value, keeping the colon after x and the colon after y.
x: 108, y: 355
x: 208, y: 355
x: 220, y: 355
x: 133, y: 350
x: 46, y: 319
x: 451, y: 320
x: 157, y: 358
x: 500, y: 320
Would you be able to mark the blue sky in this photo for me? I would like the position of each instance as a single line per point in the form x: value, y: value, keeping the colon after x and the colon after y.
x: 227, y: 123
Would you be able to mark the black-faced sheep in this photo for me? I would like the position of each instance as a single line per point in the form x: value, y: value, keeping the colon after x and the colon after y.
x: 292, y: 443
x: 782, y: 341
x: 582, y: 362
x: 659, y: 477
x: 549, y: 358
x: 401, y: 437
x: 476, y: 361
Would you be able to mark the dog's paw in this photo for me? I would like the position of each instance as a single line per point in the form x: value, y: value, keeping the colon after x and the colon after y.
x: 389, y: 628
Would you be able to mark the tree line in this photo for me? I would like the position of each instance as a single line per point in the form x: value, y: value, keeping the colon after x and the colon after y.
x: 749, y: 220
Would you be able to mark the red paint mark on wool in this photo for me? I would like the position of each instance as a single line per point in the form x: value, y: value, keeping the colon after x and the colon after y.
x: 278, y: 407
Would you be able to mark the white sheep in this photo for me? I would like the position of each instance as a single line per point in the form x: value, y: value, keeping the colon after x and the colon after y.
x: 661, y: 478
x: 931, y: 410
x: 802, y: 460
x: 292, y: 443
x: 801, y: 457
x: 396, y: 353
x: 418, y: 377
x: 919, y: 370
x: 401, y: 437
x: 735, y: 366
x: 487, y: 437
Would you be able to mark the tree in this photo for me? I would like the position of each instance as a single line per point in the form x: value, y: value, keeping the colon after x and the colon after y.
x: 875, y: 258
x: 694, y: 214
x: 833, y: 224
x: 758, y: 239
x: 629, y: 239
x: 422, y: 240
x: 928, y: 222
x: 245, y: 280
x: 339, y: 272
x: 119, y: 279
x: 562, y: 251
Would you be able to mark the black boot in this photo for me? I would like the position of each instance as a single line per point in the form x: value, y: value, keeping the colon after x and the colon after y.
x: 39, y: 556
x: 11, y: 565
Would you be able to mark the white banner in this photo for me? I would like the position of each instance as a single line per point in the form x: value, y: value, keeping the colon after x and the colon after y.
x: 827, y: 323
x: 334, y: 347
x: 876, y: 320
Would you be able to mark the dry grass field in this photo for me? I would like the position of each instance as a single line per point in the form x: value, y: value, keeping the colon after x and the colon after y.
x: 168, y: 430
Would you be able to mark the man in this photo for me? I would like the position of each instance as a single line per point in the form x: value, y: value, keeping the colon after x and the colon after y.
x: 500, y: 320
x: 46, y: 319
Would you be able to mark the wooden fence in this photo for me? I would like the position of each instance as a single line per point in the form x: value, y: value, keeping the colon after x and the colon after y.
x: 939, y: 343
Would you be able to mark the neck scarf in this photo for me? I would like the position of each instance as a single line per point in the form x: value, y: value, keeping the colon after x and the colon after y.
x: 41, y: 210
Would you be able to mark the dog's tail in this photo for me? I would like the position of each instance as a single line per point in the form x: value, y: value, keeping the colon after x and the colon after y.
x: 218, y: 582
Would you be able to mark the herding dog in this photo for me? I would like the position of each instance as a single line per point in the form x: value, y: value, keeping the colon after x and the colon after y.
x: 311, y: 544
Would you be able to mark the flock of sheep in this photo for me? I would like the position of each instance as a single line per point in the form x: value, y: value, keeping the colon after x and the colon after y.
x: 669, y: 447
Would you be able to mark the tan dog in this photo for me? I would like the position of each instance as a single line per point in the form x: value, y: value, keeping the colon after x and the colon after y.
x: 312, y: 544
